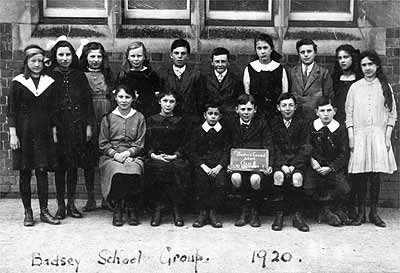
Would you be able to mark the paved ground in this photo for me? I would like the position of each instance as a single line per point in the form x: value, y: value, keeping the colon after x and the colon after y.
x: 93, y: 245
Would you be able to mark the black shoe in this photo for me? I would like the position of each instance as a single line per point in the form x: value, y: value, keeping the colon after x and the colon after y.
x: 330, y: 218
x: 178, y: 220
x: 201, y: 220
x: 214, y: 219
x: 133, y: 219
x: 254, y: 218
x: 156, y: 219
x: 244, y: 217
x: 72, y: 211
x: 28, y: 219
x: 343, y: 217
x: 46, y: 217
x: 117, y: 217
x: 360, y: 218
x: 90, y: 205
x: 277, y: 225
x: 60, y: 214
x: 299, y: 223
x: 374, y: 217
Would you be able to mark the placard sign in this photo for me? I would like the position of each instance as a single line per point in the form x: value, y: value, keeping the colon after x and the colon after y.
x: 249, y: 159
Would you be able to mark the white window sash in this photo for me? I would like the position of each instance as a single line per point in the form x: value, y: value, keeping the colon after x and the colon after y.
x: 158, y: 13
x: 239, y: 15
x: 74, y: 12
x: 323, y: 16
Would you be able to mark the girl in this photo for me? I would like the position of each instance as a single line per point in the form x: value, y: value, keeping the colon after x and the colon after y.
x: 94, y: 63
x: 370, y: 118
x: 31, y: 103
x: 75, y: 118
x: 346, y: 72
x: 265, y: 78
x: 137, y: 75
x: 121, y: 141
x: 166, y: 166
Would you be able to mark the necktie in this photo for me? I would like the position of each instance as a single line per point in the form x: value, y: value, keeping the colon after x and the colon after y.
x: 305, y: 74
x: 178, y: 73
x: 220, y: 77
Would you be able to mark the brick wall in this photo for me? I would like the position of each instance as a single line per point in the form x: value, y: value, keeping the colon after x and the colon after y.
x: 11, y: 62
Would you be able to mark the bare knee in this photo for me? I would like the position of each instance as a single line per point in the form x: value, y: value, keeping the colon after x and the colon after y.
x: 255, y: 181
x: 297, y: 179
x: 236, y: 179
x: 278, y: 178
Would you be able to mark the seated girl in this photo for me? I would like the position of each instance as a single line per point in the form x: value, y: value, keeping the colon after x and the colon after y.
x: 121, y: 141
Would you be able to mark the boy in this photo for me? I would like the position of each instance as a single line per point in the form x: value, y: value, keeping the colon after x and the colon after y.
x: 221, y: 83
x: 289, y: 135
x: 251, y: 132
x: 309, y: 80
x: 209, y: 155
x: 329, y: 146
x: 184, y: 81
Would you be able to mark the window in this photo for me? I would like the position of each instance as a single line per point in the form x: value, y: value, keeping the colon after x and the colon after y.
x: 239, y: 10
x: 321, y: 10
x: 157, y: 9
x: 68, y: 8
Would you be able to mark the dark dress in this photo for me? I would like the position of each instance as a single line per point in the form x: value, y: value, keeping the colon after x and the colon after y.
x: 166, y: 180
x: 30, y: 111
x: 341, y: 89
x: 145, y: 83
x: 74, y: 112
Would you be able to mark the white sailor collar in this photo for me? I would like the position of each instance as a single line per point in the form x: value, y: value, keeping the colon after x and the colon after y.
x: 271, y: 66
x: 244, y: 123
x: 332, y: 126
x: 206, y: 127
x: 118, y: 113
x: 44, y: 82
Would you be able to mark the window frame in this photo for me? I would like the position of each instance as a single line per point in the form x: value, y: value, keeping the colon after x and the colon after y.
x: 175, y: 14
x: 72, y: 12
x: 221, y: 15
x: 323, y: 16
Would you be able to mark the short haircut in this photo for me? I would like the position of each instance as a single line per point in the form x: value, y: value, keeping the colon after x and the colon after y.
x: 245, y: 98
x: 220, y: 51
x: 213, y: 104
x: 305, y: 42
x: 324, y: 100
x: 180, y: 43
x: 286, y: 96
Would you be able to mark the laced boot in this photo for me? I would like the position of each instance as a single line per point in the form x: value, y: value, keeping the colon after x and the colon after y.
x: 343, y: 217
x: 327, y: 216
x: 28, y: 219
x: 133, y: 219
x: 156, y: 218
x: 254, y: 218
x: 374, y: 217
x: 72, y: 211
x: 360, y: 218
x: 46, y: 217
x: 90, y: 204
x: 178, y: 220
x: 60, y: 214
x: 117, y: 215
x: 201, y: 220
x: 214, y: 219
x: 299, y: 223
x: 244, y: 216
x: 277, y: 225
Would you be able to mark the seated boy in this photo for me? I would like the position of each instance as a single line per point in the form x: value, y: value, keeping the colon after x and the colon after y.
x: 289, y: 135
x: 251, y: 132
x: 209, y: 154
x: 329, y: 145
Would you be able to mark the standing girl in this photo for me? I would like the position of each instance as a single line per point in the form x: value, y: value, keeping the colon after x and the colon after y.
x: 138, y: 76
x: 75, y: 118
x: 167, y: 168
x: 94, y: 62
x: 121, y: 141
x: 31, y: 103
x: 265, y: 78
x: 370, y: 118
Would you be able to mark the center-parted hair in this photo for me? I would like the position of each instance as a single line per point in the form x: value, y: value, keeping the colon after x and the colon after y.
x: 275, y: 56
x: 53, y: 57
x: 29, y: 52
x: 125, y: 65
x: 354, y: 68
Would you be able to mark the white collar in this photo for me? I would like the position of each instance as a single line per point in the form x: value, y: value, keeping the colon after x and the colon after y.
x: 271, y: 66
x: 143, y: 69
x: 332, y: 126
x: 223, y: 74
x: 118, y: 113
x: 347, y: 78
x: 180, y: 69
x: 206, y: 127
x: 287, y: 122
x: 44, y: 82
x: 309, y: 67
x: 245, y: 123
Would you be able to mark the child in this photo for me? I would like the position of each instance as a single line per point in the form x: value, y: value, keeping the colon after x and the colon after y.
x: 221, y: 84
x: 289, y: 135
x: 186, y: 82
x: 210, y: 156
x: 329, y: 145
x: 121, y: 165
x: 166, y: 167
x: 75, y: 117
x: 309, y: 80
x: 370, y: 118
x: 31, y: 108
x: 265, y: 78
x: 138, y: 76
x: 94, y: 62
x: 251, y: 132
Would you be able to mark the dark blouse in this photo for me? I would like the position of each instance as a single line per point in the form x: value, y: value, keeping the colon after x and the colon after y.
x: 341, y: 89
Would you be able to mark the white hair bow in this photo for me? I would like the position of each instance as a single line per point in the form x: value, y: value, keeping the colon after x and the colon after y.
x: 80, y: 48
